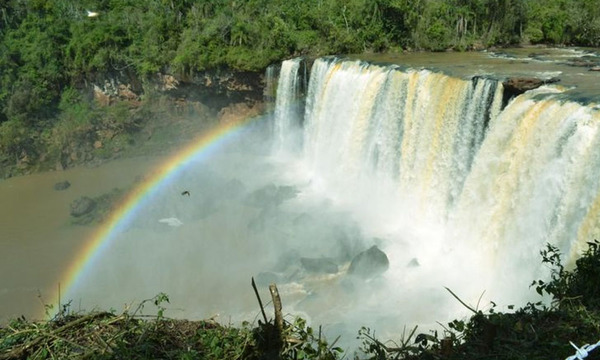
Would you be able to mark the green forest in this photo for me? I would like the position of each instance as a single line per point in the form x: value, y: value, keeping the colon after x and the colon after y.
x: 49, y: 49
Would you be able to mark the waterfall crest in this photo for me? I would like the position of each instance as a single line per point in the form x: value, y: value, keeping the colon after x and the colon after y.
x: 499, y: 182
x: 288, y: 106
x: 418, y: 128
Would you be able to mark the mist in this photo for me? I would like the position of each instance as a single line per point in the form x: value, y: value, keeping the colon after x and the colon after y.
x: 363, y: 198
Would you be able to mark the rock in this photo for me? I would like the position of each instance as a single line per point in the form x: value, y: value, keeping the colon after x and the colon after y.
x: 518, y: 85
x: 595, y: 68
x: 585, y: 61
x: 82, y: 206
x: 100, y: 96
x: 413, y: 263
x: 167, y: 82
x: 319, y: 265
x: 125, y: 93
x: 239, y: 111
x: 97, y: 144
x: 62, y: 185
x: 369, y: 263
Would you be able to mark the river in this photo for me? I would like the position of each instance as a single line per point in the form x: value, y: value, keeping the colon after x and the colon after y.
x: 37, y: 239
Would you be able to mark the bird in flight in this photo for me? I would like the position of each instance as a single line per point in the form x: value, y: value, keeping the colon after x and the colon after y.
x: 186, y: 193
x: 92, y: 13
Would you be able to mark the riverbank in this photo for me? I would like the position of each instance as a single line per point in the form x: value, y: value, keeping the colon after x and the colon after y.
x: 119, y: 116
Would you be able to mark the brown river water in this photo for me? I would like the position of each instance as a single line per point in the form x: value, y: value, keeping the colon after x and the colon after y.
x: 37, y: 241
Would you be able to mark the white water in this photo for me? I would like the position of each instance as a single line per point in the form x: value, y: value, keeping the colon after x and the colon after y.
x: 434, y: 167
x: 287, y: 106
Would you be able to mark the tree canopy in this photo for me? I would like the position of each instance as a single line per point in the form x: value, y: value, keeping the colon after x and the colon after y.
x: 50, y: 46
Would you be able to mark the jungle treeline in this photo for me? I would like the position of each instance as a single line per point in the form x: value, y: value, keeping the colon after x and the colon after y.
x: 48, y: 48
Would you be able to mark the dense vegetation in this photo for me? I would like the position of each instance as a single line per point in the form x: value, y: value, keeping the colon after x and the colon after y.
x: 535, y: 331
x: 51, y: 49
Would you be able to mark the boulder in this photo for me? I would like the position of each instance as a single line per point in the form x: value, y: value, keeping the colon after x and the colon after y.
x: 82, y: 206
x: 369, y: 263
x: 322, y: 265
x: 585, y: 61
x: 518, y: 85
x: 62, y: 185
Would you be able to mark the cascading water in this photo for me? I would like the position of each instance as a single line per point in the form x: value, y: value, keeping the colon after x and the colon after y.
x: 438, y: 169
x: 456, y: 189
x: 535, y: 180
x: 419, y: 128
x: 288, y: 106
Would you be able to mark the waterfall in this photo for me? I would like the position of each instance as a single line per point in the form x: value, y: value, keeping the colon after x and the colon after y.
x: 441, y: 157
x: 421, y: 129
x: 288, y: 106
x: 536, y: 179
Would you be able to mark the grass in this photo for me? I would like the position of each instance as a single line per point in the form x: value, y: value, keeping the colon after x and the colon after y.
x: 132, y: 335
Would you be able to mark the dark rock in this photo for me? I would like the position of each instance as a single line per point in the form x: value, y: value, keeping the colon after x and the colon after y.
x: 62, y: 185
x: 369, y: 263
x: 83, y: 205
x: 585, y: 61
x: 413, y: 263
x: 518, y: 85
x: 504, y: 55
x: 319, y: 265
x: 538, y: 55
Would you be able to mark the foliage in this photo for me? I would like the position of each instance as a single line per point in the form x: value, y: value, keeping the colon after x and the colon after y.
x: 48, y: 47
x: 301, y: 342
x: 15, y: 137
x: 133, y: 335
x: 534, y: 331
x: 580, y: 286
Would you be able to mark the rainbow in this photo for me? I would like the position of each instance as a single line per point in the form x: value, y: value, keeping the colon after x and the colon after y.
x: 201, y: 147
